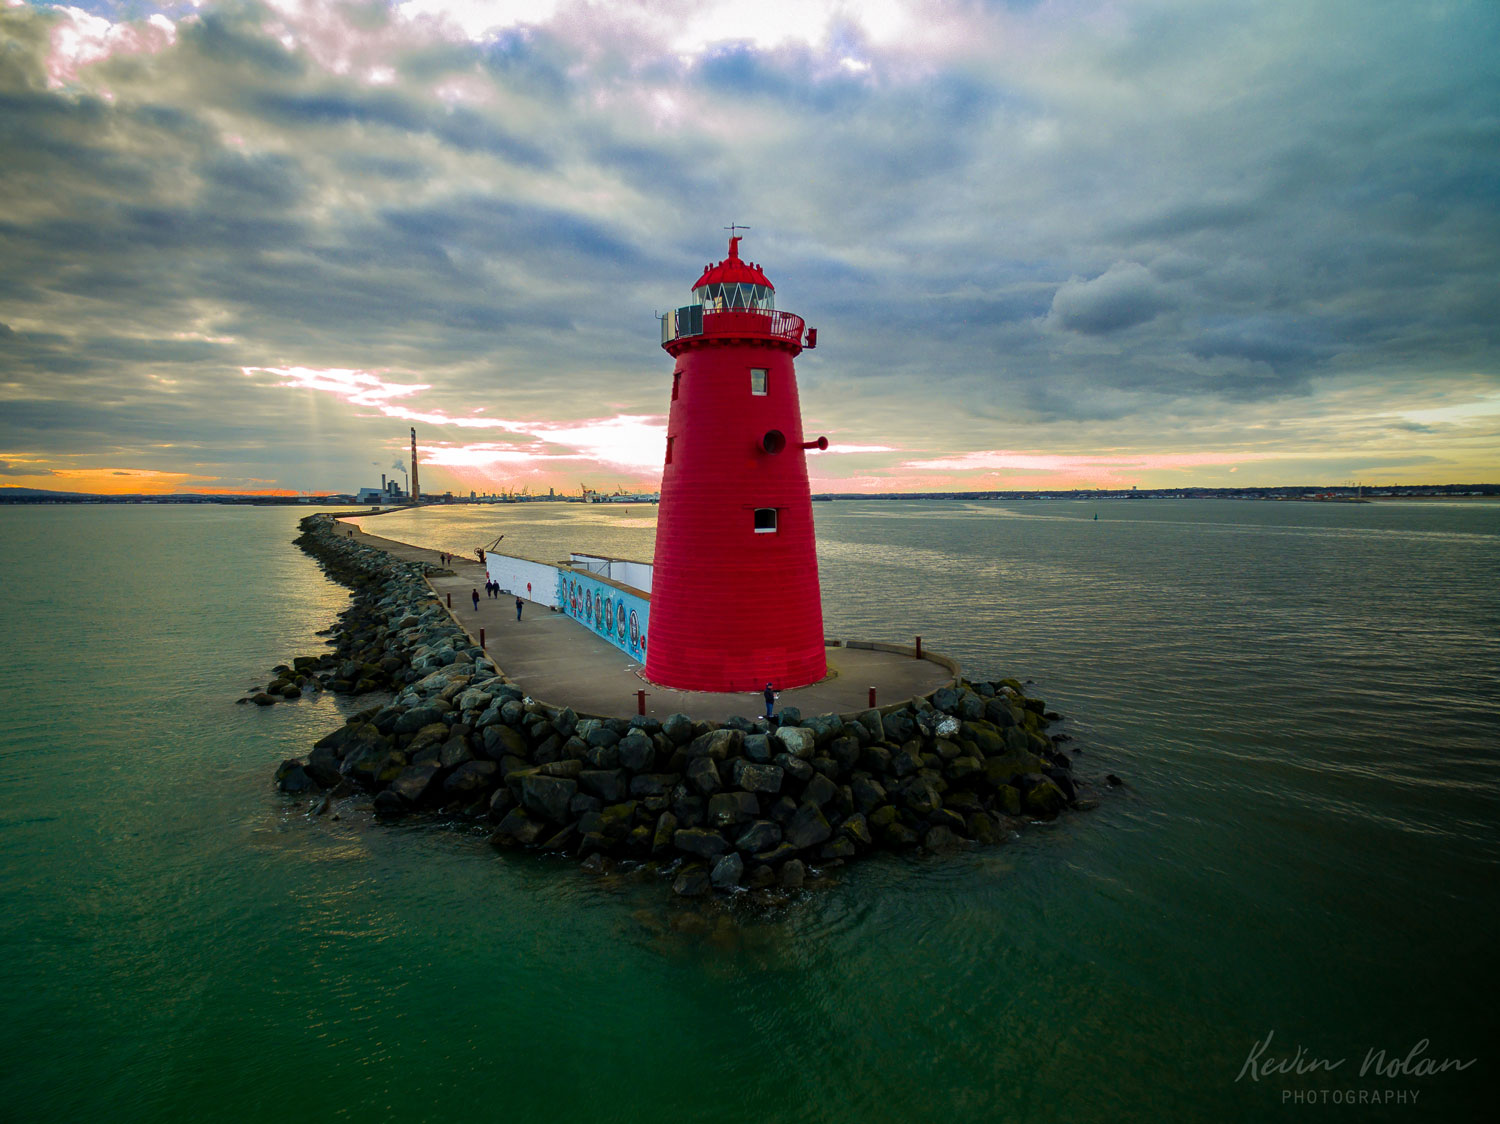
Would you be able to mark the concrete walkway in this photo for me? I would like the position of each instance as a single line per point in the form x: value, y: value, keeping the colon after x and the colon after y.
x: 556, y: 660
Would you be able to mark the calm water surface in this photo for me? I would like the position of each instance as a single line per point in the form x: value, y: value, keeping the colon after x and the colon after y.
x: 1302, y: 698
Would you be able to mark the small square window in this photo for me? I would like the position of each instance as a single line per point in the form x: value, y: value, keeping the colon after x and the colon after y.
x: 765, y: 520
x: 757, y: 380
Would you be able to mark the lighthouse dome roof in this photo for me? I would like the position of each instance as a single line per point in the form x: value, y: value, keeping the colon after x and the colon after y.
x: 732, y: 271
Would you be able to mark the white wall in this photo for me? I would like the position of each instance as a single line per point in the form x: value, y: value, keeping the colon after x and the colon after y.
x: 520, y: 577
x: 637, y: 575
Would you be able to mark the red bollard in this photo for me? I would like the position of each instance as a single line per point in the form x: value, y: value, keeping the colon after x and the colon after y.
x: 872, y: 698
x: 481, y: 638
x: 450, y: 600
x: 919, y: 647
x: 640, y: 702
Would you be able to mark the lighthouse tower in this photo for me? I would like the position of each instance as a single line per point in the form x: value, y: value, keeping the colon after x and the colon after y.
x: 734, y: 594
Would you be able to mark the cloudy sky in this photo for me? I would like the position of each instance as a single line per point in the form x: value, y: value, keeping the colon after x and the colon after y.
x: 246, y: 245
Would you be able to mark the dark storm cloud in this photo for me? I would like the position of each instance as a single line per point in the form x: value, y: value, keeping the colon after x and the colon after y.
x: 1122, y: 297
x: 515, y: 230
x: 1029, y: 224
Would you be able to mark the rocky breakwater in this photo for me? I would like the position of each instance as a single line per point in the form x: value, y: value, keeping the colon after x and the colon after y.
x: 393, y: 633
x: 711, y: 806
x: 752, y: 804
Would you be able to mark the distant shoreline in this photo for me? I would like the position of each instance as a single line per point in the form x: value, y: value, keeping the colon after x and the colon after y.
x: 1285, y: 494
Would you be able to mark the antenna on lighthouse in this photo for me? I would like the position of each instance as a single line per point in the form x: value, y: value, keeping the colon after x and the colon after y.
x: 732, y: 227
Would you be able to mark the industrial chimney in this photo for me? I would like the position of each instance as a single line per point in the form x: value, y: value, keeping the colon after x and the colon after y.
x: 416, y: 488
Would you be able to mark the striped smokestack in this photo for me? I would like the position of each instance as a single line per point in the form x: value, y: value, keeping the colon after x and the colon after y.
x: 416, y: 488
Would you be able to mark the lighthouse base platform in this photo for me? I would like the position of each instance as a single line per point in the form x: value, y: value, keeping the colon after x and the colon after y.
x: 554, y: 659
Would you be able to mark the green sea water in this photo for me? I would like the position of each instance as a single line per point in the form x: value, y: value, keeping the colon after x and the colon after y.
x: 1301, y: 698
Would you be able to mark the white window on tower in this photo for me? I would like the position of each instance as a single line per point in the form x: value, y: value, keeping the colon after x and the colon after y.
x: 758, y: 380
x: 765, y: 520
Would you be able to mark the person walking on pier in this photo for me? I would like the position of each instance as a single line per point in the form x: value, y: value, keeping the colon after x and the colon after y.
x: 770, y: 702
x: 519, y: 603
x: 476, y: 600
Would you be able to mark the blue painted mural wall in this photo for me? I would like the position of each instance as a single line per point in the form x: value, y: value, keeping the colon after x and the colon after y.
x: 619, y: 617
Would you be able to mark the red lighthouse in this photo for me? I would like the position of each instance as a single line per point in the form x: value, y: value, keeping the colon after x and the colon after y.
x: 734, y: 594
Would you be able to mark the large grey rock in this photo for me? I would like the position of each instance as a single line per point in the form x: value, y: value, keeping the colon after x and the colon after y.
x: 500, y: 741
x: 758, y: 748
x: 291, y: 777
x: 666, y: 828
x: 844, y: 750
x: 726, y: 809
x: 363, y: 739
x: 754, y: 777
x: 796, y: 740
x: 703, y: 774
x: 807, y: 827
x: 518, y: 828
x: 906, y: 760
x: 898, y: 727
x: 604, y: 756
x: 336, y: 739
x: 921, y: 796
x: 839, y: 847
x: 761, y: 835
x: 323, y: 766
x: 777, y: 855
x: 548, y: 796
x: 471, y: 779
x: 941, y: 838
x: 678, y: 727
x: 717, y: 744
x: 389, y: 805
x: 601, y: 737
x: 609, y: 785
x: 414, y: 784
x: 857, y: 828
x: 820, y: 790
x: 699, y: 841
x: 1004, y: 767
x: 870, y: 720
x: 727, y: 871
x: 637, y: 753
x: 1042, y: 796
x: 868, y: 793
x: 473, y: 699
x: 549, y: 749
x: 794, y: 767
x: 824, y: 727
x: 429, y: 737
x: 455, y: 751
